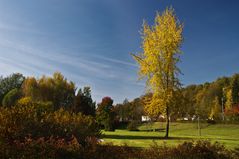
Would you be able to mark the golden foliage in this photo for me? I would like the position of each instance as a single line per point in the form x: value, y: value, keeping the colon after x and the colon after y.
x: 215, y: 112
x: 158, y: 62
x: 229, y: 102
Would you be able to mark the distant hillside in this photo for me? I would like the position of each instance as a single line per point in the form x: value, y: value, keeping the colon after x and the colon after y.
x: 209, y: 99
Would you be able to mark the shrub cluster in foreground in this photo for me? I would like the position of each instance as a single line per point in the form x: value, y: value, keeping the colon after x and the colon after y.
x: 61, y: 149
x: 35, y: 130
x: 191, y: 150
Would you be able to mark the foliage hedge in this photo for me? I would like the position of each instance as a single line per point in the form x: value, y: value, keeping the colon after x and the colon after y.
x: 34, y: 130
x: 61, y: 149
x: 36, y: 121
x: 190, y: 150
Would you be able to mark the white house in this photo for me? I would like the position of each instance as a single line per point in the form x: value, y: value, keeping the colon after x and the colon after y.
x: 145, y: 118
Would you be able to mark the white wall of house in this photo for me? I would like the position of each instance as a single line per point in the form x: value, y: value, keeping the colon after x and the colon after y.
x: 145, y: 118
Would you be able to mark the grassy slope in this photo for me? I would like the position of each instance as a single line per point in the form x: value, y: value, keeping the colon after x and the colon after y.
x: 179, y: 132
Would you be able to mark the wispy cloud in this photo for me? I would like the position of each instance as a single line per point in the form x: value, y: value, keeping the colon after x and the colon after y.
x: 5, y: 26
x: 41, y: 61
x: 113, y: 60
x: 98, y: 71
x: 35, y: 44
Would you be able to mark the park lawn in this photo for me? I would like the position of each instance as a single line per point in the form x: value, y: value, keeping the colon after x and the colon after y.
x: 227, y: 134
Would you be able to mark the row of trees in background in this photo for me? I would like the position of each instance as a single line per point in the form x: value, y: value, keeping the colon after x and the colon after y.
x: 218, y: 100
x: 215, y: 100
x: 55, y: 90
x: 130, y: 111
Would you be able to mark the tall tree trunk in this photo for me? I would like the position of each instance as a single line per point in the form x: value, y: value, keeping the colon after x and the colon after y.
x: 167, y: 111
x: 167, y: 122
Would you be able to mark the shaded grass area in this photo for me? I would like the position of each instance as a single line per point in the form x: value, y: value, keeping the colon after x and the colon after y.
x: 144, y: 137
x: 227, y: 134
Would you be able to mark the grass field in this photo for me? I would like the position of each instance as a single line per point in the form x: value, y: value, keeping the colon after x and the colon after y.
x: 227, y: 134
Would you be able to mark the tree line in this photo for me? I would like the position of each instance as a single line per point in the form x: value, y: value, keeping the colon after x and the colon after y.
x: 209, y: 100
x: 217, y: 100
x: 55, y: 92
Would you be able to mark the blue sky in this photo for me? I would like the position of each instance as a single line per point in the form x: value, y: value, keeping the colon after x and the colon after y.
x: 89, y: 41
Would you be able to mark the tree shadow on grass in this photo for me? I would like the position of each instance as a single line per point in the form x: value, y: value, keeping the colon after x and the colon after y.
x: 143, y: 137
x: 218, y: 139
x: 156, y: 130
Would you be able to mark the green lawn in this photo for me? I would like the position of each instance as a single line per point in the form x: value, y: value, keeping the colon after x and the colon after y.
x: 228, y: 134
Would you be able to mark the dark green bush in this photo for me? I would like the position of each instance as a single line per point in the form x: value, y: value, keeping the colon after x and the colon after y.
x: 132, y: 126
x: 210, y: 121
x: 105, y: 114
x: 11, y: 98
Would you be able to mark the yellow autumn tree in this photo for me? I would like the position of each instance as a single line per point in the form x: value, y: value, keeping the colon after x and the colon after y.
x: 229, y: 102
x: 161, y: 45
x: 215, y: 111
